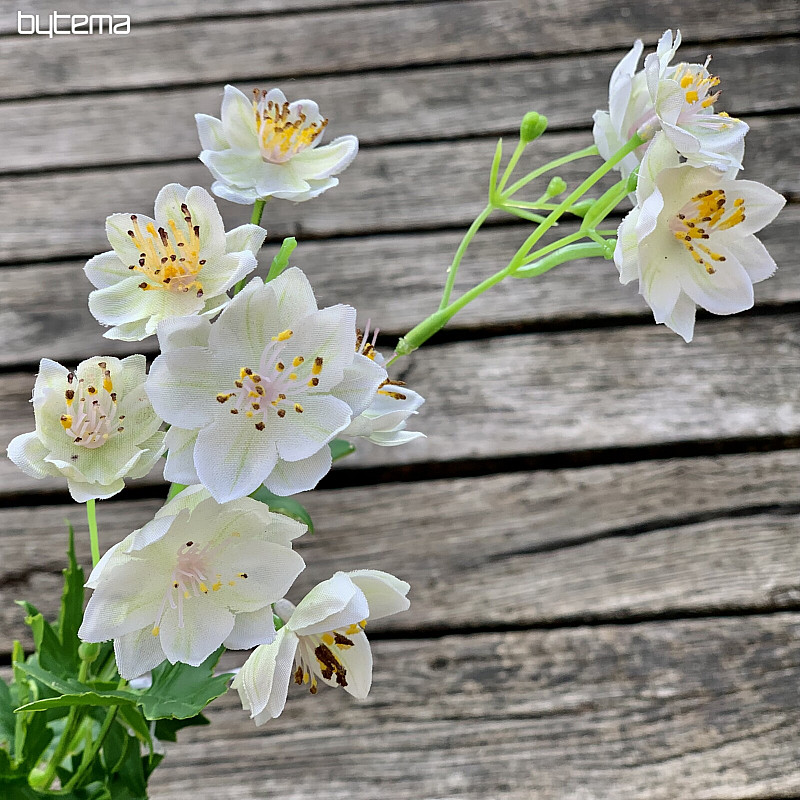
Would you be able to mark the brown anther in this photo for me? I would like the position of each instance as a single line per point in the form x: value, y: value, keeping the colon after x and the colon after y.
x: 260, y: 426
x: 281, y: 412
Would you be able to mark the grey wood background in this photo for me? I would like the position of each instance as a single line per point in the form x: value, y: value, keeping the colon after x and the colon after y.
x: 601, y: 529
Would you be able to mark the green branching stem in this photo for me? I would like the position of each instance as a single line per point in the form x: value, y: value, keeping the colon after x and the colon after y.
x: 94, y: 542
x: 255, y: 219
x: 92, y: 752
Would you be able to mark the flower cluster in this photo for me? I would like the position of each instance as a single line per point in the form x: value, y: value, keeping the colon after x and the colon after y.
x: 689, y: 240
x: 254, y: 382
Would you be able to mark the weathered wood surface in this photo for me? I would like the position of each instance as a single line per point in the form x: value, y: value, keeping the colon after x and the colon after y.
x: 379, y: 107
x: 357, y: 272
x: 489, y: 687
x: 573, y: 391
x: 524, y: 548
x: 387, y: 189
x: 657, y: 711
x: 207, y: 51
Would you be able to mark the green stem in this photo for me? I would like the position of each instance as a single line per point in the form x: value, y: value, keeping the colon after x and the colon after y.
x: 255, y: 219
x: 561, y: 256
x: 68, y: 734
x: 91, y: 754
x: 515, y: 156
x: 93, y: 540
x: 462, y: 248
x: 558, y: 162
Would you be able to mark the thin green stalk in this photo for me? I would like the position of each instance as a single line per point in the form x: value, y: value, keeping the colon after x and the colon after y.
x: 561, y: 256
x: 562, y: 242
x: 462, y: 248
x: 512, y: 162
x: 255, y: 219
x: 93, y: 540
x: 558, y: 162
x: 91, y: 753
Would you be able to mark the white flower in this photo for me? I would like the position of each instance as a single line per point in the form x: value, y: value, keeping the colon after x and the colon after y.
x: 95, y: 426
x: 323, y: 639
x: 676, y: 99
x: 267, y: 147
x: 178, y: 264
x: 199, y: 575
x: 689, y: 240
x: 256, y: 397
x: 384, y: 421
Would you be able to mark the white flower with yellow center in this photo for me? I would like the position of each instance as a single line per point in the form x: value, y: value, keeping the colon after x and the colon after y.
x: 689, y: 240
x: 181, y: 263
x: 256, y: 397
x: 676, y: 99
x: 384, y: 421
x: 322, y: 639
x: 268, y: 147
x: 94, y: 426
x: 199, y: 575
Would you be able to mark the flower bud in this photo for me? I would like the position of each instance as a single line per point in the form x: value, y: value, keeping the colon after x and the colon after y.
x: 556, y: 187
x: 532, y: 127
x: 88, y: 651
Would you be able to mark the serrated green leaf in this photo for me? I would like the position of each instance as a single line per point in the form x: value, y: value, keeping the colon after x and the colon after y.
x: 71, y: 692
x: 71, y: 613
x: 132, y: 717
x: 287, y: 506
x: 181, y: 691
x: 48, y: 645
x: 167, y: 729
x: 8, y: 722
x: 341, y: 448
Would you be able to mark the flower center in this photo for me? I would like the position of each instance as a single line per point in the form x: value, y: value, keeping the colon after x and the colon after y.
x: 190, y: 578
x: 317, y: 655
x: 696, y: 84
x: 283, y: 131
x: 91, y: 411
x: 276, y: 388
x: 168, y: 259
x: 705, y: 214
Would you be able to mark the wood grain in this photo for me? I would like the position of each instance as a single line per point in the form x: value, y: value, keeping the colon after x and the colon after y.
x: 379, y: 107
x: 526, y: 548
x: 697, y: 709
x: 395, y: 188
x: 393, y: 280
x: 556, y: 393
x: 357, y: 39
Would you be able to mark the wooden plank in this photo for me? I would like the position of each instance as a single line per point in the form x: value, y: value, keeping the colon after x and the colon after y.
x: 525, y: 548
x: 379, y: 107
x: 387, y: 189
x: 358, y: 39
x: 557, y: 393
x: 45, y: 312
x: 703, y: 708
x: 154, y: 11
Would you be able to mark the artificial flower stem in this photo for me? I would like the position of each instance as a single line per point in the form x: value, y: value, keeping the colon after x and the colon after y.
x: 462, y: 248
x: 550, y: 165
x: 512, y: 162
x: 562, y: 255
x: 91, y: 518
x: 92, y: 752
x: 255, y: 219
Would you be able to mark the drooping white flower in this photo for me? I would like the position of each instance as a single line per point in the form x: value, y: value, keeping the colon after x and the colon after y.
x: 322, y: 639
x: 199, y: 575
x: 256, y: 397
x: 181, y: 263
x: 689, y: 240
x: 94, y: 426
x: 676, y: 99
x: 268, y: 147
x: 384, y: 421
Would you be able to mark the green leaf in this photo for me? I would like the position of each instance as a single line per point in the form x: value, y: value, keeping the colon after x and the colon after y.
x: 287, y: 506
x: 71, y: 692
x: 138, y: 724
x: 167, y: 729
x: 48, y: 645
x: 174, y: 490
x: 8, y: 722
x: 281, y: 260
x: 341, y: 448
x: 71, y: 614
x: 181, y: 691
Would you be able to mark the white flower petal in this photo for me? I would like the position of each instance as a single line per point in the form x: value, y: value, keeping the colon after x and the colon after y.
x: 660, y: 286
x: 178, y: 332
x: 233, y: 194
x: 239, y: 121
x: 315, y: 189
x: 360, y: 383
x: 137, y: 653
x: 357, y: 661
x: 753, y: 256
x: 205, y: 627
x: 252, y: 628
x: 211, y: 132
x: 324, y: 161
x: 117, y: 227
x: 681, y: 320
x: 28, y: 453
x: 294, y: 296
x: 619, y: 87
x: 180, y: 445
x: 334, y: 603
x: 386, y: 595
x: 761, y: 203
x: 301, y: 435
x: 245, y: 237
x: 291, y: 477
x: 728, y: 291
x: 626, y: 252
x: 106, y: 269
